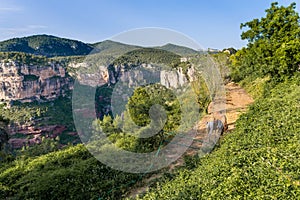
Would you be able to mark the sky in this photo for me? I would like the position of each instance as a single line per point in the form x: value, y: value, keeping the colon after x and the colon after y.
x: 211, y: 23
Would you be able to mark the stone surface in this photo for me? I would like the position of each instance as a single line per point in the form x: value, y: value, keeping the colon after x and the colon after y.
x: 36, y: 133
x: 27, y: 83
x: 133, y: 75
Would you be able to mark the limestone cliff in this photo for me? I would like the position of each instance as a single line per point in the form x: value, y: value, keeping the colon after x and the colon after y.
x: 27, y: 83
x: 132, y: 75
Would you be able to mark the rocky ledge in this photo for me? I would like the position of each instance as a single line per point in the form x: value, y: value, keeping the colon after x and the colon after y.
x: 27, y: 83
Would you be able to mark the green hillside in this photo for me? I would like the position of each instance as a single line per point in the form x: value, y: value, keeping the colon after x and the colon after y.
x: 148, y: 55
x: 51, y: 46
x: 117, y: 48
x: 260, y: 158
x: 24, y: 58
x: 46, y: 45
x: 109, y: 47
x: 72, y: 173
x: 180, y: 50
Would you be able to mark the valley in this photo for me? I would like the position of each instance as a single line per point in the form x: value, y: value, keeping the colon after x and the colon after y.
x: 109, y: 120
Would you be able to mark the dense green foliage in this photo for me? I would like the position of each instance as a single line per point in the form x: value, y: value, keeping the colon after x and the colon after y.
x: 113, y: 48
x: 137, y: 119
x: 51, y: 46
x: 47, y: 145
x: 148, y: 55
x: 46, y: 45
x: 153, y: 108
x: 180, y: 50
x: 57, y: 112
x: 259, y: 160
x: 19, y: 114
x: 144, y: 98
x: 37, y: 173
x: 222, y: 61
x: 23, y: 58
x: 117, y: 48
x: 273, y: 48
x: 3, y: 137
x: 30, y: 77
x: 67, y: 174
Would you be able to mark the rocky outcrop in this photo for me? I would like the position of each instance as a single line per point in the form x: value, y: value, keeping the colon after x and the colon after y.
x: 173, y: 79
x: 83, y: 74
x: 27, y: 83
x: 133, y: 75
x: 33, y: 134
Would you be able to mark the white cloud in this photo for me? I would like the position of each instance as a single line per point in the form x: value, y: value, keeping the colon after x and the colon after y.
x: 9, y: 9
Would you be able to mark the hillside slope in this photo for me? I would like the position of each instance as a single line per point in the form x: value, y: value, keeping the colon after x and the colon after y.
x: 46, y: 45
x: 258, y: 160
x: 109, y: 47
x: 180, y: 50
x: 51, y: 46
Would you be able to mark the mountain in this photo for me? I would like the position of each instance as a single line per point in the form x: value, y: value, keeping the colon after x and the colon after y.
x: 51, y: 46
x: 181, y: 50
x: 46, y: 45
x: 109, y: 47
x: 148, y: 55
x: 117, y: 48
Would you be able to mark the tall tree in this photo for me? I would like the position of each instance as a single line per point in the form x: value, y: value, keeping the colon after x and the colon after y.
x: 273, y: 44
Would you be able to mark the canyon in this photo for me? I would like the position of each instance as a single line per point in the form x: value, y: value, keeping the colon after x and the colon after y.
x: 47, y: 82
x: 27, y: 83
x: 133, y: 75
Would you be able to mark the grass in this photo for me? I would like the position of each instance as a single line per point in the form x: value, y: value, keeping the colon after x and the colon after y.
x: 258, y: 160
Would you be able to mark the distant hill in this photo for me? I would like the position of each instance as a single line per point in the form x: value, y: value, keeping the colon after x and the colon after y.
x: 46, y: 45
x: 180, y: 50
x: 148, y: 55
x: 117, y: 48
x: 113, y: 48
x: 52, y: 46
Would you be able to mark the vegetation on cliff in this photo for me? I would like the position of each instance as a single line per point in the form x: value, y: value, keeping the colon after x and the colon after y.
x: 23, y: 58
x: 148, y: 55
x: 257, y: 160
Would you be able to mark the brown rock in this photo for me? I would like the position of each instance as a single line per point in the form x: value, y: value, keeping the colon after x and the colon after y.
x: 27, y: 83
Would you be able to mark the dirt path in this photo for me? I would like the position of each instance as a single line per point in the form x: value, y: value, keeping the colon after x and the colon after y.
x: 237, y: 101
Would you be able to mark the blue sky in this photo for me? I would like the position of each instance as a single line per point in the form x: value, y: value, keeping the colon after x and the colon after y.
x: 212, y: 23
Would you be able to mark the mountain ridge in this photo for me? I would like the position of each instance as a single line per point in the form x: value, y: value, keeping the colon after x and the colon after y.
x: 46, y: 45
x: 53, y: 46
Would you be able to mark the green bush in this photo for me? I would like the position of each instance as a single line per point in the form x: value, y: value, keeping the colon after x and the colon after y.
x: 30, y: 78
x: 258, y: 160
x: 67, y: 174
x: 273, y: 45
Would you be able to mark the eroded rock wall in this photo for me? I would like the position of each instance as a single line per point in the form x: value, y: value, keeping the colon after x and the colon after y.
x: 27, y: 83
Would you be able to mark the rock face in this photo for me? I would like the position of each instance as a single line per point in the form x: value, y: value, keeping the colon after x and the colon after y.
x: 134, y: 75
x: 33, y: 134
x: 173, y: 79
x: 27, y: 83
x: 148, y: 73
